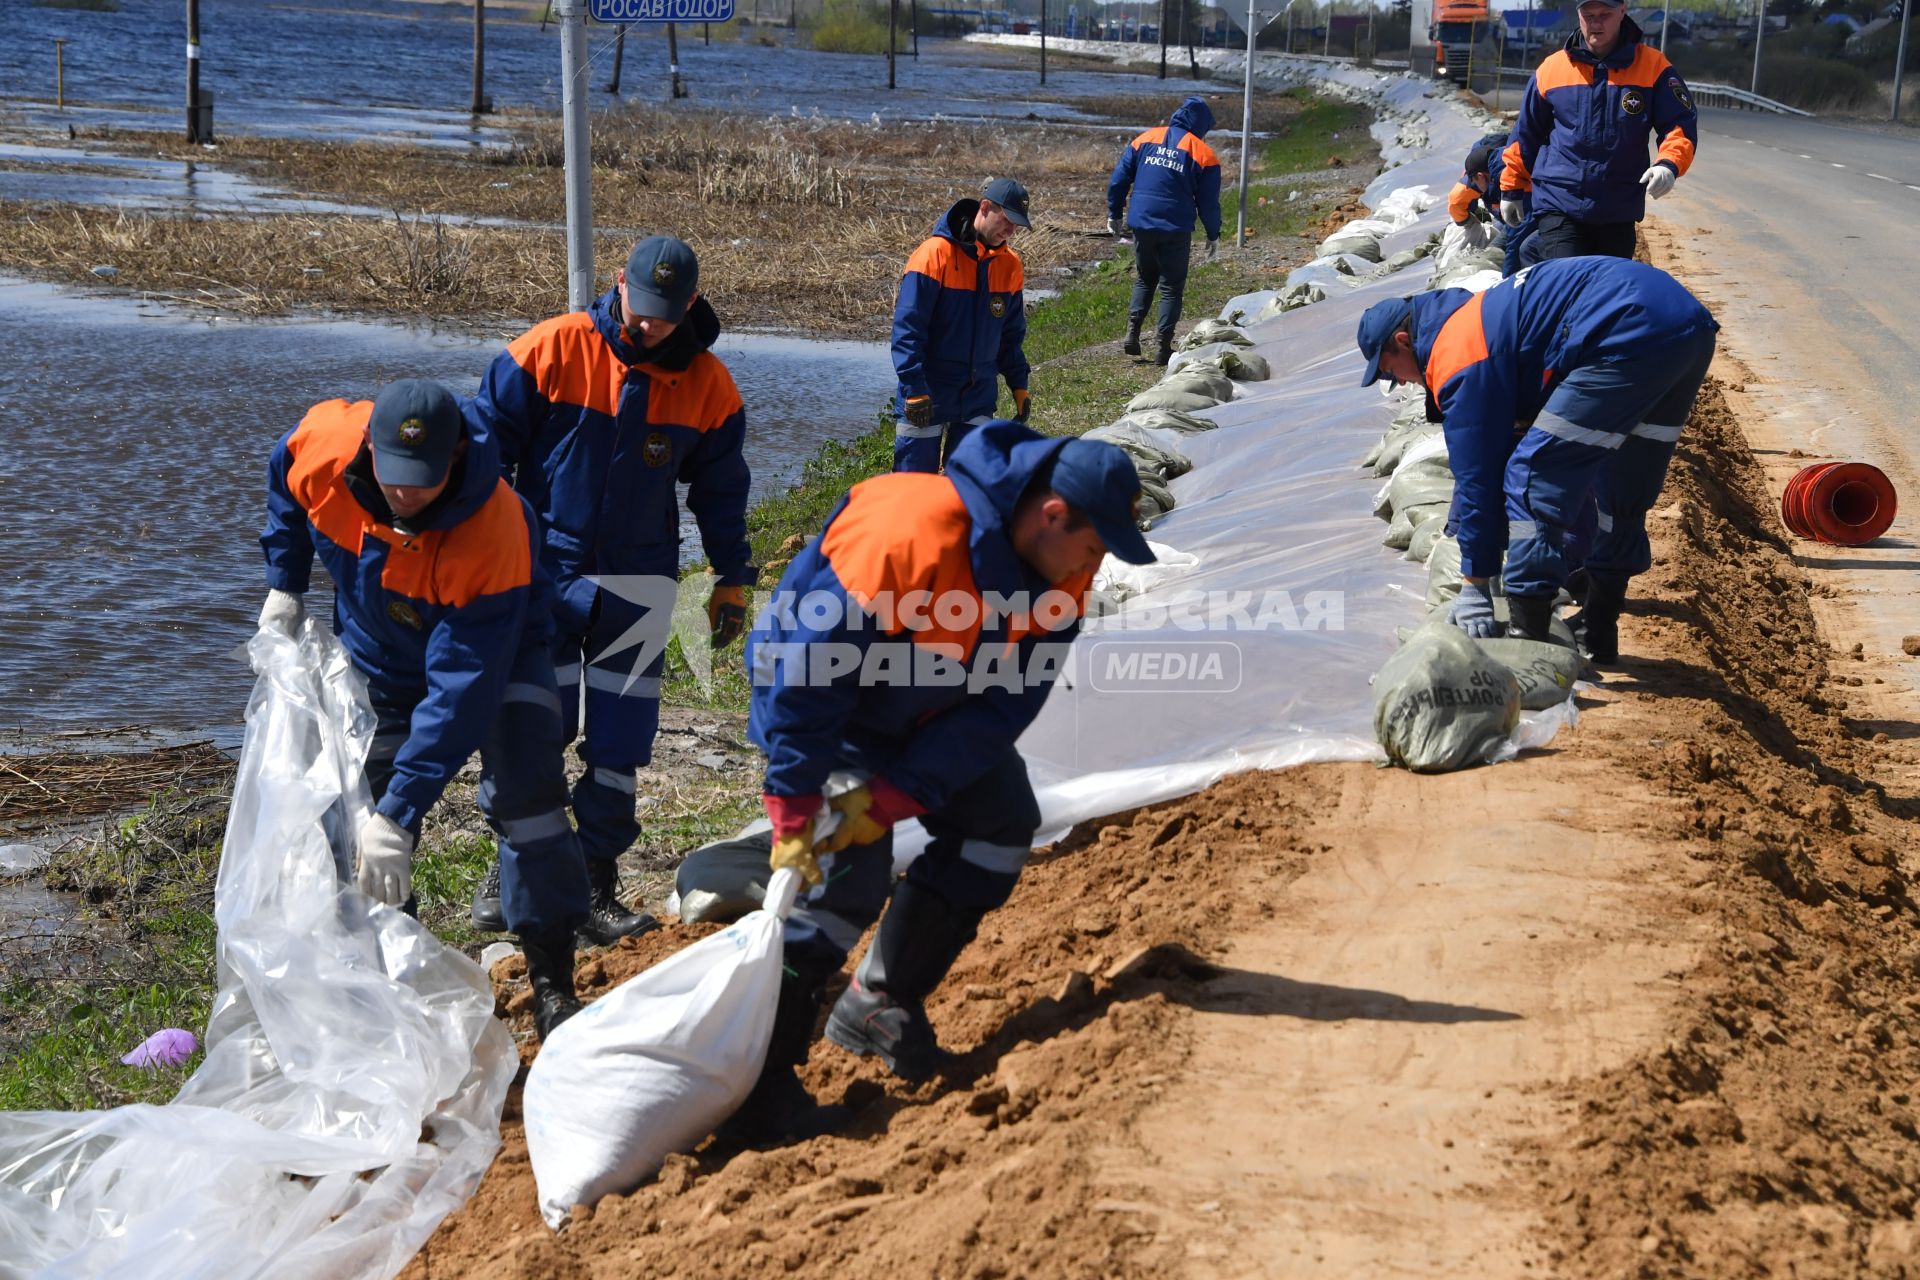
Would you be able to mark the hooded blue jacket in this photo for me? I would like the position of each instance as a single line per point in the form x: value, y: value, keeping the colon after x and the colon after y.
x: 912, y: 568
x: 960, y: 319
x: 439, y: 604
x: 1173, y: 174
x: 1580, y: 144
x: 1493, y: 359
x: 596, y: 432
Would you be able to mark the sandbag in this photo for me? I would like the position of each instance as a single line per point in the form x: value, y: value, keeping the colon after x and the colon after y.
x: 1139, y: 445
x: 1400, y: 528
x: 652, y: 1066
x: 1398, y: 441
x: 1442, y: 703
x: 1443, y: 572
x: 1208, y: 332
x: 1185, y: 424
x: 1358, y: 246
x: 1242, y: 308
x: 1420, y: 483
x: 1425, y: 533
x: 1545, y: 672
x: 1155, y: 500
x: 720, y: 882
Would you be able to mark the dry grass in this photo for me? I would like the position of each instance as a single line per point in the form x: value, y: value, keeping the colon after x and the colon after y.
x: 57, y: 786
x: 800, y: 223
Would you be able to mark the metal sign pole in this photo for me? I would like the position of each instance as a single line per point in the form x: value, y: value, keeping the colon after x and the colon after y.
x: 572, y: 16
x: 1246, y: 130
x: 1759, y: 34
x: 1900, y: 57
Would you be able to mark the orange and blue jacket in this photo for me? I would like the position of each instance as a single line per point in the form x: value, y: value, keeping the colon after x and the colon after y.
x: 1580, y: 144
x: 596, y: 431
x: 959, y: 321
x: 439, y: 604
x: 1173, y: 175
x: 1492, y: 360
x: 911, y: 567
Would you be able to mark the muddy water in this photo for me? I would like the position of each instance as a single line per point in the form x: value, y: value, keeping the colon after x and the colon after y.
x: 332, y: 69
x: 133, y: 446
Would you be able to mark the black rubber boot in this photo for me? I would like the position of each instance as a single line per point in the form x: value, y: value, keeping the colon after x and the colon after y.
x: 1530, y: 618
x: 1600, y: 620
x: 550, y: 974
x: 488, y: 915
x: 1132, y: 343
x: 779, y: 1110
x: 883, y: 1010
x: 1165, y: 353
x: 607, y: 920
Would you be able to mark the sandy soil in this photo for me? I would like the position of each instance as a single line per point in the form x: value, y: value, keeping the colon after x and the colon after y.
x: 1640, y: 1004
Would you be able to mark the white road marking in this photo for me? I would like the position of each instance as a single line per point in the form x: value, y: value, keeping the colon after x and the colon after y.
x: 1883, y: 177
x: 1805, y: 156
x: 1836, y: 164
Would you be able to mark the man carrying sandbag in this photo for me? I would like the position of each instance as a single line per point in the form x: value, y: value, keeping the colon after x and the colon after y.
x: 907, y: 648
x: 1595, y: 362
x: 440, y: 602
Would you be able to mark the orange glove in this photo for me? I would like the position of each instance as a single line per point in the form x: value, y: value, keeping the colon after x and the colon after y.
x: 726, y: 615
x: 920, y: 411
x: 1022, y: 404
x: 793, y: 834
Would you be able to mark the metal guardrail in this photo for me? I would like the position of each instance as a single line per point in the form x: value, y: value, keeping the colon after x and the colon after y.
x: 1725, y: 95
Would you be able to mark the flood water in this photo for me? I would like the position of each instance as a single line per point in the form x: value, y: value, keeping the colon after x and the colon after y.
x: 367, y: 67
x: 135, y: 443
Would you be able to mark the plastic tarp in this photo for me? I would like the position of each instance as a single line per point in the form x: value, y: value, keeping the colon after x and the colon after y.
x: 351, y: 1091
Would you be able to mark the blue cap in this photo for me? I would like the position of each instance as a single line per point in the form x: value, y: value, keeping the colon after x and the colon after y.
x: 662, y: 275
x: 1012, y: 197
x: 1381, y: 322
x: 414, y: 429
x: 1099, y: 479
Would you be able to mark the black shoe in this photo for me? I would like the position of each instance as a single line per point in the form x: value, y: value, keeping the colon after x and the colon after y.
x: 779, y: 1111
x: 1600, y: 620
x: 488, y: 915
x: 873, y: 1022
x: 1165, y: 353
x: 1530, y: 618
x: 550, y: 974
x: 1132, y: 343
x: 607, y: 920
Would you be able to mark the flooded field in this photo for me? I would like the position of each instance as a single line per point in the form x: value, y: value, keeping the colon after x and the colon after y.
x: 131, y: 487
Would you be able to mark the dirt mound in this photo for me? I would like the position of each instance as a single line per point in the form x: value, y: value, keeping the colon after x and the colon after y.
x: 1776, y: 1132
x: 1068, y: 1008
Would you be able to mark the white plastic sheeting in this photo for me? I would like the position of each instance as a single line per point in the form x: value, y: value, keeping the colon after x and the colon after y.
x: 351, y: 1092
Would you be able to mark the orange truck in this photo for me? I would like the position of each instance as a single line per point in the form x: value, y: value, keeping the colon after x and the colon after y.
x: 1462, y: 32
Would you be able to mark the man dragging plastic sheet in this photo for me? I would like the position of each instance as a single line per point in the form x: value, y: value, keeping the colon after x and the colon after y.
x: 1572, y: 379
x: 907, y: 648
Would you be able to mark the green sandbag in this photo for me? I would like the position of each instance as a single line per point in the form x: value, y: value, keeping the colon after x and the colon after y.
x: 1422, y: 483
x: 1208, y: 331
x: 1545, y: 672
x: 1400, y: 528
x: 1442, y: 703
x: 1425, y: 534
x: 1360, y: 246
x: 1186, y: 424
x: 1443, y: 572
x: 1146, y: 455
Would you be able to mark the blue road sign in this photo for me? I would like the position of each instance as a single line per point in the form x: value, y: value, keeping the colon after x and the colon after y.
x: 660, y: 10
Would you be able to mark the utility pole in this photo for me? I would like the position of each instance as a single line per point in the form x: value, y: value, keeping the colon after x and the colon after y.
x: 1900, y: 58
x: 676, y: 89
x: 1326, y: 50
x: 893, y: 23
x: 572, y: 16
x: 60, y: 77
x: 619, y: 56
x: 193, y: 71
x: 480, y: 57
x: 913, y: 16
x: 1163, y: 39
x: 1759, y: 34
x: 1246, y: 129
x: 1043, y: 54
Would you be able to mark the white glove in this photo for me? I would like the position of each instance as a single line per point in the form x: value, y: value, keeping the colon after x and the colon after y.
x: 1472, y: 611
x: 283, y: 611
x: 1111, y: 229
x: 1512, y: 212
x: 1213, y: 249
x: 1658, y: 180
x: 383, y: 860
x: 1476, y: 233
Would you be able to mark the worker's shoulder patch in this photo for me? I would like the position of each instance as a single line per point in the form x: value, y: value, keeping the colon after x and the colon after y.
x: 1679, y: 91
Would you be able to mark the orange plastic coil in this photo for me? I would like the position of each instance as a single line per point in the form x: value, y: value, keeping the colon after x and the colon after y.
x: 1844, y: 503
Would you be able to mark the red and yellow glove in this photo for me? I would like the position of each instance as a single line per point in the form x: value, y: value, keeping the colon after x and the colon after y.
x: 1022, y: 404
x: 867, y: 813
x: 792, y: 818
x: 726, y: 615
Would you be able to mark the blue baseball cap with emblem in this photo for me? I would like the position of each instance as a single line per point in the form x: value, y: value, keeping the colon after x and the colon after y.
x: 1100, y: 480
x: 1011, y: 197
x: 415, y: 429
x: 1381, y: 321
x: 662, y: 276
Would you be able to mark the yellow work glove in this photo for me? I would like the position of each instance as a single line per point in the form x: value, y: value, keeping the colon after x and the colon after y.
x: 726, y: 615
x: 855, y: 826
x: 1022, y: 404
x: 795, y: 849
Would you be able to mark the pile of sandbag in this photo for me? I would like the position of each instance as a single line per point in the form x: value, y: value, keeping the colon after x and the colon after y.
x: 1187, y: 390
x: 1155, y: 460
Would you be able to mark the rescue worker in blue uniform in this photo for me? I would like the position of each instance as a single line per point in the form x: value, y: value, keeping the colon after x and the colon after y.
x: 985, y: 568
x: 599, y: 415
x: 1580, y: 144
x: 441, y: 603
x: 958, y: 326
x: 1594, y: 363
x: 1480, y: 185
x: 1174, y: 177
